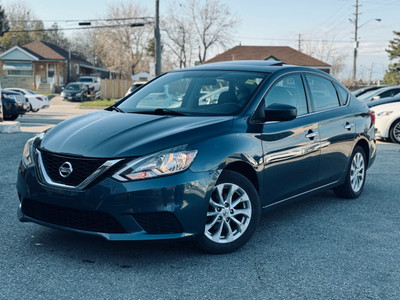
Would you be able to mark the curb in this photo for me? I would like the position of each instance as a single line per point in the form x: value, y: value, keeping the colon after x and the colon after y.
x: 10, y: 127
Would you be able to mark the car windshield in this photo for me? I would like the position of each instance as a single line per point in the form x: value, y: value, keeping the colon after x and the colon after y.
x: 195, y: 93
x: 73, y: 87
x: 31, y: 92
x: 85, y: 80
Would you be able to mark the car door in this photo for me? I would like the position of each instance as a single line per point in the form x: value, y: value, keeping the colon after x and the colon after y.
x: 336, y: 125
x: 291, y: 148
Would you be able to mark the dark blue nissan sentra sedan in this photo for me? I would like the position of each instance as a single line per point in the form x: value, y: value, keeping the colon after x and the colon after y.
x: 200, y: 153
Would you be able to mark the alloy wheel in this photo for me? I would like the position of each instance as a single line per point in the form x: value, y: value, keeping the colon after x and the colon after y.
x: 396, y: 132
x: 357, y: 172
x: 229, y: 213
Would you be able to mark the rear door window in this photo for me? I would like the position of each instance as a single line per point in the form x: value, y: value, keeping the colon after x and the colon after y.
x: 323, y: 93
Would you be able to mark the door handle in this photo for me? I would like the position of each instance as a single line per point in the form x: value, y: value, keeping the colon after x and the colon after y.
x: 349, y: 126
x: 311, y: 135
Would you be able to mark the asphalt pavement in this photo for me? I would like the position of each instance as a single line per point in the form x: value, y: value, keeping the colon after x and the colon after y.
x: 320, y: 248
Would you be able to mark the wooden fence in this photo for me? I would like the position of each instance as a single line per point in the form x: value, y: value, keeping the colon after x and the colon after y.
x: 114, y: 88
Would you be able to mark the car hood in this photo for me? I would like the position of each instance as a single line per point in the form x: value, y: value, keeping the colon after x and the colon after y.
x: 109, y: 134
x: 72, y: 91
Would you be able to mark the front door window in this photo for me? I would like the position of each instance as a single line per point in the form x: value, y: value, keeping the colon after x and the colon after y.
x: 51, y: 73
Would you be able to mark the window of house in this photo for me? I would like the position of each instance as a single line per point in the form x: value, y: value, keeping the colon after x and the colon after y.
x: 15, y: 68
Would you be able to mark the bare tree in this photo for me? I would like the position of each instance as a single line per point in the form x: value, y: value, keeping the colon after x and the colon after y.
x: 213, y: 24
x: 20, y: 18
x: 196, y: 26
x: 179, y: 35
x: 125, y: 44
x: 327, y: 51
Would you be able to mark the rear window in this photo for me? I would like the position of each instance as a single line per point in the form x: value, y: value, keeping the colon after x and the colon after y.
x: 343, y: 94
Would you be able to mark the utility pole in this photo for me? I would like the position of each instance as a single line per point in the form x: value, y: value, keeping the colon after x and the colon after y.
x: 299, y: 42
x: 355, y: 42
x: 1, y: 108
x: 157, y: 39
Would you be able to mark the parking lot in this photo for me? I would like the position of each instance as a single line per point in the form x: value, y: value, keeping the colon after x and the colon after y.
x: 320, y: 248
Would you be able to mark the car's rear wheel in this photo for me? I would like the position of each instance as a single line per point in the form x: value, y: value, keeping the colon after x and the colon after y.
x: 34, y: 110
x: 355, y: 177
x: 395, y: 132
x: 232, y: 216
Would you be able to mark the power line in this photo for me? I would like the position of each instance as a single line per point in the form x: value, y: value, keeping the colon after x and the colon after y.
x: 88, y: 20
x: 79, y: 28
x: 307, y: 40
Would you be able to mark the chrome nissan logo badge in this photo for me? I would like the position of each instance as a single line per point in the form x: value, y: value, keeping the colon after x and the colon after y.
x: 65, y: 170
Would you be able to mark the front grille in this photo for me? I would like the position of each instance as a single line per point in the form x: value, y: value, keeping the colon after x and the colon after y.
x: 71, y: 217
x: 82, y: 167
x: 159, y: 222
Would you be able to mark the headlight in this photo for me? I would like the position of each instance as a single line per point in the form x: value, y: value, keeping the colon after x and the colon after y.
x: 160, y: 164
x: 384, y: 114
x: 27, y: 155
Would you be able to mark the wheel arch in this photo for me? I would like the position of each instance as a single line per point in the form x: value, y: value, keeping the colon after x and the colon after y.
x: 247, y: 171
x: 365, y: 146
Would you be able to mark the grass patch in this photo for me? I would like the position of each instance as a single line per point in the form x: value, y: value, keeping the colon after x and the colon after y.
x: 49, y: 96
x: 97, y: 103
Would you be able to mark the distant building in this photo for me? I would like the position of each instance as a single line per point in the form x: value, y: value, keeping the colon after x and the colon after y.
x: 44, y: 64
x: 142, y: 76
x: 284, y: 54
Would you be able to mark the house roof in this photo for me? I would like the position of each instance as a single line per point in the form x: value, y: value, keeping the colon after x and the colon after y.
x: 44, y: 51
x: 285, y: 54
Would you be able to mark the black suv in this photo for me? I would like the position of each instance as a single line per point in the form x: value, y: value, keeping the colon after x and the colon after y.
x: 13, y: 105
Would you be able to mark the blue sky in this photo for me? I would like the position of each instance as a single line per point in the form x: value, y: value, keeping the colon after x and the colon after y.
x: 266, y: 22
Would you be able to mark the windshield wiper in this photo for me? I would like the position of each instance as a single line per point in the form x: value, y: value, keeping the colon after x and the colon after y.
x: 116, y: 108
x: 166, y: 111
x: 159, y: 112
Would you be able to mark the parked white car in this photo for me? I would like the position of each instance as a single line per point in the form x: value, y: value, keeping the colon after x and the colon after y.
x: 387, y: 122
x: 36, y: 101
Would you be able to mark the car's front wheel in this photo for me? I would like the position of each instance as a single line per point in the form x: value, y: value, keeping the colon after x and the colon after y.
x: 395, y: 132
x: 11, y: 117
x: 232, y: 216
x: 355, y: 177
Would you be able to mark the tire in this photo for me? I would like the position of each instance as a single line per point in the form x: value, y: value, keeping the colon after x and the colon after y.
x: 230, y: 222
x: 355, y: 177
x: 33, y: 110
x: 394, y: 132
x: 11, y: 117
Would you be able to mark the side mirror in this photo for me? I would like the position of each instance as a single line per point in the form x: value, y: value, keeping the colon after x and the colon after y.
x: 280, y: 112
x: 376, y: 97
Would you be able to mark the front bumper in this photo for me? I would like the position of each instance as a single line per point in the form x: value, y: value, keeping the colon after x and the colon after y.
x: 162, y: 208
x: 382, y: 125
x: 71, y: 97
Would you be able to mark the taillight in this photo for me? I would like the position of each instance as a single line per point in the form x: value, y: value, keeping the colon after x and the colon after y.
x: 372, y: 114
x: 39, y: 98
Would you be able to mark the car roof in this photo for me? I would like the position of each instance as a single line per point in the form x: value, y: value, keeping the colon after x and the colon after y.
x: 383, y: 101
x: 250, y: 65
x: 387, y: 88
x: 9, y: 92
